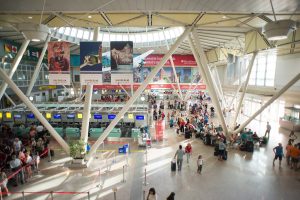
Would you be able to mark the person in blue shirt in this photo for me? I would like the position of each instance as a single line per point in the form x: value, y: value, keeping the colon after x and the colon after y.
x: 278, y: 151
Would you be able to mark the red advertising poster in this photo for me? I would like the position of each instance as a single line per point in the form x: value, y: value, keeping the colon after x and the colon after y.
x: 152, y: 86
x: 59, y: 63
x: 159, y: 130
x: 179, y: 60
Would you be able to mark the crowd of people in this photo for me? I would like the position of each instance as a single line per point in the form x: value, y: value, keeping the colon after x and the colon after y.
x: 20, y: 154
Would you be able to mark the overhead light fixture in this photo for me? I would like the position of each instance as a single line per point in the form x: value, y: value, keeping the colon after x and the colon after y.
x: 90, y: 16
x: 224, y: 17
x: 279, y: 30
x: 34, y: 32
x: 29, y: 17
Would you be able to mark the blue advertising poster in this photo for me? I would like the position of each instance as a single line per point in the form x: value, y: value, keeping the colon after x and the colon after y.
x: 91, y: 63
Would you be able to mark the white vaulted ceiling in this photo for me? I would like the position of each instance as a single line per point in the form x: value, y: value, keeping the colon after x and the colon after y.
x: 219, y: 23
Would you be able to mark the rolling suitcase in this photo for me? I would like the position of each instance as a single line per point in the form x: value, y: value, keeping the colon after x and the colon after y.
x: 173, y: 165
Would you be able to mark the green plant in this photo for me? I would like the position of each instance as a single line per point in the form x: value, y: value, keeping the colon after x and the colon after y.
x: 77, y: 149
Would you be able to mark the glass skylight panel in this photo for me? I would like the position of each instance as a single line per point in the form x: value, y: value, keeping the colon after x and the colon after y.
x: 105, y: 37
x: 73, y: 32
x: 61, y: 30
x: 79, y: 33
x: 67, y: 31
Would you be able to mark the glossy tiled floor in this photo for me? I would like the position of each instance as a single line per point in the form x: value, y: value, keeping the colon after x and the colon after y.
x: 243, y: 176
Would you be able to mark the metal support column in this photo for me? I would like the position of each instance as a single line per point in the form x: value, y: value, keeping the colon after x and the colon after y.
x: 11, y: 101
x: 34, y: 110
x: 121, y: 86
x: 88, y: 102
x: 14, y: 65
x: 174, y: 88
x: 203, y: 67
x: 38, y: 67
x: 219, y: 85
x: 138, y: 92
x: 173, y: 67
x: 244, y: 89
x: 276, y: 96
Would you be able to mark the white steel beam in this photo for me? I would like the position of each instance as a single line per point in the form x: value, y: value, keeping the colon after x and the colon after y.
x: 8, y: 97
x: 269, y: 102
x: 34, y: 110
x: 173, y: 67
x: 88, y: 102
x: 137, y: 93
x: 14, y: 65
x: 202, y: 64
x: 121, y: 86
x: 38, y: 67
x: 244, y: 89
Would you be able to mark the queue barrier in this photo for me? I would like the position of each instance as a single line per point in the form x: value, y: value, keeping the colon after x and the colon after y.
x: 51, y: 194
x: 12, y: 175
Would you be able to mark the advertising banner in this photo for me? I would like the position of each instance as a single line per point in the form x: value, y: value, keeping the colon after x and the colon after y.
x: 121, y: 79
x: 59, y: 63
x: 152, y: 86
x: 159, y: 129
x: 179, y: 60
x: 121, y: 53
x: 91, y: 63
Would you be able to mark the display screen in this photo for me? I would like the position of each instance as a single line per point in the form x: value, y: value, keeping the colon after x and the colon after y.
x: 139, y: 117
x: 17, y: 116
x: 130, y: 116
x: 0, y: 115
x: 30, y: 116
x: 111, y: 116
x: 57, y: 116
x: 79, y: 115
x: 71, y: 116
x: 8, y: 115
x: 97, y: 116
x: 48, y: 115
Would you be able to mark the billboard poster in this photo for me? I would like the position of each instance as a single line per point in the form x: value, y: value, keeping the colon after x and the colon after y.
x: 179, y: 60
x: 121, y: 54
x: 91, y: 63
x: 59, y: 63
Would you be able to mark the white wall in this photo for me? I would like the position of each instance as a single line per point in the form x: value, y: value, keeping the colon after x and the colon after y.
x: 287, y: 67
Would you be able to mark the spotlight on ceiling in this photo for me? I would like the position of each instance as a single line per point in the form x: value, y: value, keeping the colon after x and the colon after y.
x: 34, y: 32
x: 279, y: 30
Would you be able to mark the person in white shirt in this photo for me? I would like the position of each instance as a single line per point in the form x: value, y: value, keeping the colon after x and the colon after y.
x: 268, y: 130
x: 39, y: 128
x: 15, y: 165
x: 199, y: 164
x: 17, y: 145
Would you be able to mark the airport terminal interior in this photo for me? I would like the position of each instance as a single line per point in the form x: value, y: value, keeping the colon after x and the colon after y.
x: 149, y: 99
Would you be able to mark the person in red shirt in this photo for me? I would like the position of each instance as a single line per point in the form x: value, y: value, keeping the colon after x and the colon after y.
x: 188, y: 152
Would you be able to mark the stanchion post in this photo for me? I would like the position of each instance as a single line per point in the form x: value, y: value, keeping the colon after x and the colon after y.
x: 144, y: 195
x: 146, y: 153
x: 115, y: 193
x: 23, y: 195
x: 51, y: 193
x: 88, y: 194
x: 123, y: 181
x: 145, y: 179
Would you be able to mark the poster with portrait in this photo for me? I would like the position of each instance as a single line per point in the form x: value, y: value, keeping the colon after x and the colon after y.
x: 90, y: 63
x: 59, y: 63
x: 121, y: 55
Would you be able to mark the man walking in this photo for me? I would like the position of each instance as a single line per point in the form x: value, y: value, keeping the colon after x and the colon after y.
x: 268, y: 130
x: 278, y: 151
x: 179, y: 153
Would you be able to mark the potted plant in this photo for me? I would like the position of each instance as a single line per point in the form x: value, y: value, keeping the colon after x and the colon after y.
x: 77, y: 150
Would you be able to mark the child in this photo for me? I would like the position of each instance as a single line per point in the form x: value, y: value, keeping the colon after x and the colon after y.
x: 199, y: 164
x: 3, y: 180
